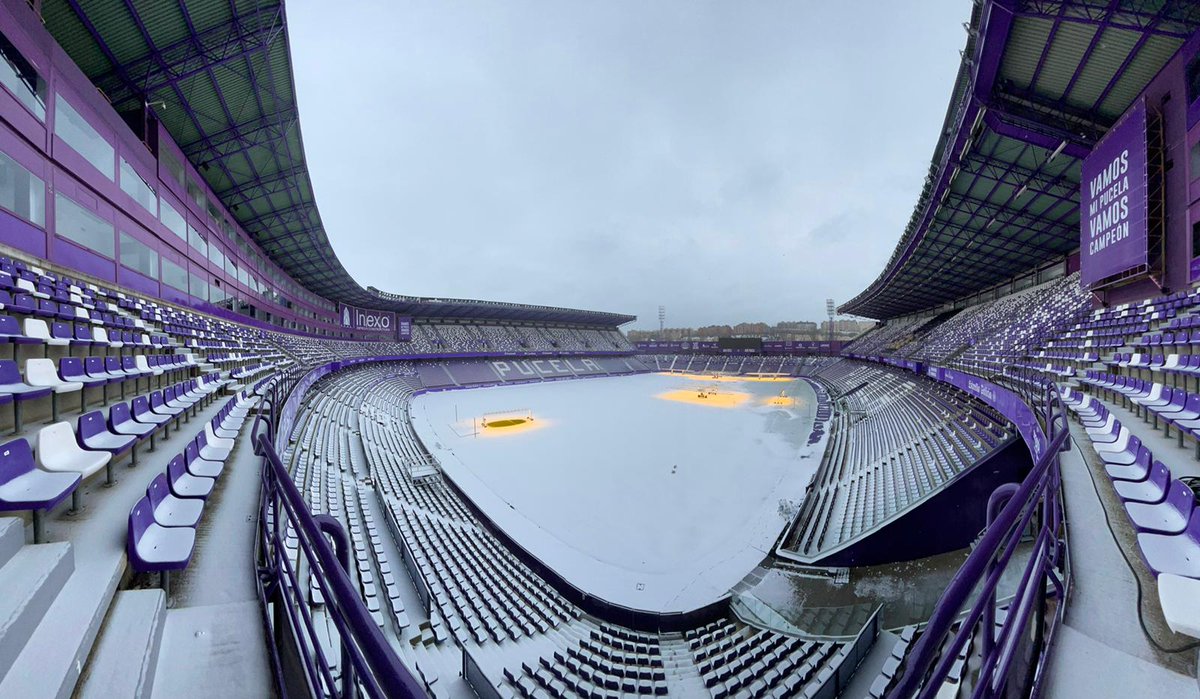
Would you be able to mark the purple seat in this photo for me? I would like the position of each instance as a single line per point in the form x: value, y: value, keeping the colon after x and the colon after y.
x: 93, y: 434
x: 1167, y: 517
x: 159, y: 406
x: 83, y: 336
x: 10, y: 331
x: 112, y: 366
x: 185, y: 484
x: 1121, y: 454
x: 1139, y: 470
x: 171, y: 511
x: 1178, y: 554
x: 71, y: 369
x: 198, y: 466
x: 23, y: 304
x: 120, y: 421
x: 25, y: 487
x: 129, y: 365
x: 94, y: 367
x: 62, y: 332
x: 154, y: 548
x: 1151, y: 490
x: 46, y: 309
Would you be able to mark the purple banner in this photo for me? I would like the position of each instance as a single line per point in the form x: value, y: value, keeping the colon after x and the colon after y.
x: 372, y: 321
x: 404, y: 329
x: 1113, y: 230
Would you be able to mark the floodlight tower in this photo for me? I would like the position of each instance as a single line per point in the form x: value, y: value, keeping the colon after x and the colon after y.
x: 662, y: 321
x: 830, y: 310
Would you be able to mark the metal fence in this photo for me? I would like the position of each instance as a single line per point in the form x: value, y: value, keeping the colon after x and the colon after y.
x: 1012, y: 654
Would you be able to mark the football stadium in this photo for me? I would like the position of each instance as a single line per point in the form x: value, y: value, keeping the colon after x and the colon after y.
x: 230, y: 469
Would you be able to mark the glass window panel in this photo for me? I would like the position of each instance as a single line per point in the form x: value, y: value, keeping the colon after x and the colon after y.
x: 18, y: 75
x: 76, y: 132
x: 22, y: 192
x: 138, y: 256
x: 171, y: 164
x: 174, y: 275
x: 197, y: 286
x: 216, y: 256
x: 77, y: 224
x: 173, y: 220
x: 197, y: 241
x: 138, y: 188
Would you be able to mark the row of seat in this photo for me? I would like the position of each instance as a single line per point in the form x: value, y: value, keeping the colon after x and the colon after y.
x: 72, y: 374
x: 162, y: 524
x: 1161, y: 509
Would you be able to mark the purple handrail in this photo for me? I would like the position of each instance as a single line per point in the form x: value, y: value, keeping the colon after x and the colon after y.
x: 368, y: 661
x: 930, y: 661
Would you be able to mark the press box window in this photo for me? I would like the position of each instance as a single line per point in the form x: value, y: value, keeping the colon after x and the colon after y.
x: 77, y: 224
x: 198, y: 287
x: 197, y: 241
x: 18, y: 75
x: 22, y: 192
x: 173, y: 220
x: 138, y: 256
x: 76, y: 132
x: 136, y: 187
x: 174, y: 276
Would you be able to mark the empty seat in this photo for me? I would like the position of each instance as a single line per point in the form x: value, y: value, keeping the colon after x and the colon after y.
x: 186, y: 485
x: 169, y: 510
x: 24, y: 487
x: 58, y: 451
x: 17, y: 390
x: 42, y: 373
x: 152, y: 547
x: 1151, y: 490
x: 1167, y: 517
x: 1178, y: 554
x: 120, y: 421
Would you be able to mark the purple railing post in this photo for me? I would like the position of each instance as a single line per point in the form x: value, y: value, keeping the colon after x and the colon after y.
x: 332, y: 528
x: 1032, y: 504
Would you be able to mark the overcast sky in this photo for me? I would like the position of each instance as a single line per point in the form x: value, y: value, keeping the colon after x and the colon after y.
x: 733, y: 161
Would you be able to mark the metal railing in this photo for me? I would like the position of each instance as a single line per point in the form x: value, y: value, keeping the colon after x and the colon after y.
x: 1012, y: 655
x: 291, y: 575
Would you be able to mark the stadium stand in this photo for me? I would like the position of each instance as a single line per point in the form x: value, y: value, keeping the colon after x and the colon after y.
x: 238, y: 502
x: 898, y: 438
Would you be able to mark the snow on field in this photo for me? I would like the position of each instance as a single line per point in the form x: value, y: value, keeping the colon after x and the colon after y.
x: 649, y: 503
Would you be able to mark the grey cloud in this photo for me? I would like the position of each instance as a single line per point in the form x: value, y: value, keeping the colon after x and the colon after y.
x: 733, y: 161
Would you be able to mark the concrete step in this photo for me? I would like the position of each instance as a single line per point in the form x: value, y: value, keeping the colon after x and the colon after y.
x: 12, y: 537
x: 29, y: 584
x: 50, y: 664
x: 125, y: 656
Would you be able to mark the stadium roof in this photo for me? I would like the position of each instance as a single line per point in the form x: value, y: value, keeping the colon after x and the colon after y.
x: 218, y: 75
x: 1039, y: 83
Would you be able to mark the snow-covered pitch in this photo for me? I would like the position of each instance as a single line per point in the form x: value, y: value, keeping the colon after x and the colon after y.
x: 649, y: 503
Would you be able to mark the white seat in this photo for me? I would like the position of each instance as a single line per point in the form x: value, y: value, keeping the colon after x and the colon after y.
x: 30, y: 288
x: 40, y: 329
x: 58, y: 451
x: 101, y: 335
x: 144, y: 366
x: 1180, y: 601
x: 159, y: 544
x: 172, y: 511
x: 41, y: 372
x: 216, y: 442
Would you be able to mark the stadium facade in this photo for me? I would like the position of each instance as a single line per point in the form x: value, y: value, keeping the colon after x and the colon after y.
x: 286, y: 526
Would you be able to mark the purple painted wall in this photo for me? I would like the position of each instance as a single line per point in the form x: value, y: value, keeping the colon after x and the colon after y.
x: 31, y: 141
